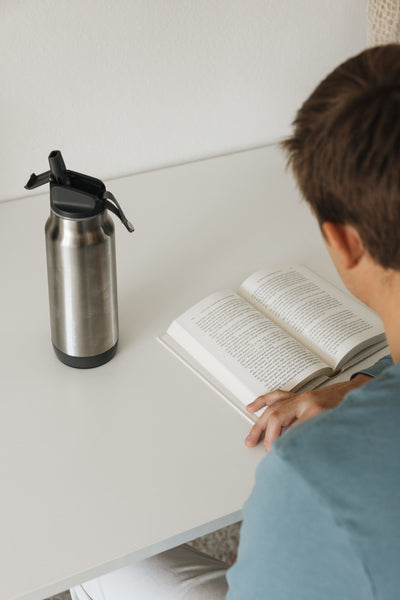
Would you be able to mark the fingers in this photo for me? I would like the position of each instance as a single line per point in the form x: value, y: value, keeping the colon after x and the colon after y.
x: 271, y: 422
x: 286, y: 409
x: 274, y: 429
x: 254, y: 435
x: 268, y: 399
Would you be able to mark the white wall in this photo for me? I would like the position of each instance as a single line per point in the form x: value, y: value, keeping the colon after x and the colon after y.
x: 122, y: 86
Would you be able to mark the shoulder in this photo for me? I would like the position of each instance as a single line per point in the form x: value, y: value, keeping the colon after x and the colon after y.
x: 291, y: 543
x: 348, y: 457
x: 317, y: 504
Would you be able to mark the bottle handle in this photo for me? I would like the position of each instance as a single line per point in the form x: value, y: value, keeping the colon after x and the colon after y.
x: 115, y: 207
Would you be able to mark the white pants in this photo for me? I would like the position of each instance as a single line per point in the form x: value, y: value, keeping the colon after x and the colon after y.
x: 182, y: 573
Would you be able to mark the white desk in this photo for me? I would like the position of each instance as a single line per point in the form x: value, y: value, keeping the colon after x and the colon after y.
x: 105, y: 466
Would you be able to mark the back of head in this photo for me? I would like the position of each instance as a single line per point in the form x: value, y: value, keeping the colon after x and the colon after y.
x: 345, y: 150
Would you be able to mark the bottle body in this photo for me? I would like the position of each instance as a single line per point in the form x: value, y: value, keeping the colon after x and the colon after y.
x: 82, y: 281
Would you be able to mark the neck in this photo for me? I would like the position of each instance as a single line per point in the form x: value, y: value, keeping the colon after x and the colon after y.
x: 385, y: 300
x: 391, y: 323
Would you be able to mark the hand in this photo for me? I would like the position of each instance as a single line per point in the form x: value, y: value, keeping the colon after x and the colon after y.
x: 285, y: 409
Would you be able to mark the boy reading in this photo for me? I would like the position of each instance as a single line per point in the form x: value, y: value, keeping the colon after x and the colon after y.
x: 323, y: 520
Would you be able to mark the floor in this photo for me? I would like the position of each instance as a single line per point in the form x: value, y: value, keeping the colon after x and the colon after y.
x: 222, y: 544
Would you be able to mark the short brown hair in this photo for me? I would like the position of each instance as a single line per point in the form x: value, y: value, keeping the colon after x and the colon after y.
x: 345, y: 150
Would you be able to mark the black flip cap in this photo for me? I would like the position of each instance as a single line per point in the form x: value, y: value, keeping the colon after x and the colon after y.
x: 81, y: 198
x: 74, y: 195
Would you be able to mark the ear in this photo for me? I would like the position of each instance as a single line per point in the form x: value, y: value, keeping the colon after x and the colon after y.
x: 345, y: 242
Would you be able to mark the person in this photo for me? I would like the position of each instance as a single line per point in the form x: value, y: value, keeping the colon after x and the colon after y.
x: 323, y: 519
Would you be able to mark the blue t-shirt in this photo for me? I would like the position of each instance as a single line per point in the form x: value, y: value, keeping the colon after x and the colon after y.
x: 323, y: 520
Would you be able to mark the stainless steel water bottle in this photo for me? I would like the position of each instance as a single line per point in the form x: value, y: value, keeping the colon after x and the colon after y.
x: 81, y: 267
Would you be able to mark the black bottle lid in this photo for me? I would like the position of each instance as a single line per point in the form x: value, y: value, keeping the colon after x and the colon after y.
x: 75, y: 195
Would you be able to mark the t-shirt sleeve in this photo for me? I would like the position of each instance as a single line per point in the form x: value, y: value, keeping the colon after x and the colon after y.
x: 376, y: 369
x: 290, y: 545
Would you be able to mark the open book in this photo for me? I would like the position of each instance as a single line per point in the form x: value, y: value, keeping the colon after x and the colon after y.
x: 285, y: 328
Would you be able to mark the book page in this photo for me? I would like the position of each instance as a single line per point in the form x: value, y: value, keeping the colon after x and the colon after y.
x: 313, y: 311
x: 242, y: 348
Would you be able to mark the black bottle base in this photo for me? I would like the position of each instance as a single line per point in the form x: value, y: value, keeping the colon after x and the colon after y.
x: 86, y: 362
